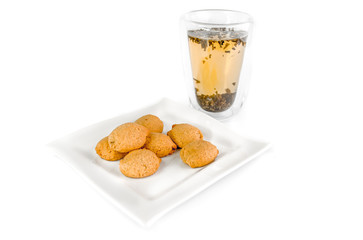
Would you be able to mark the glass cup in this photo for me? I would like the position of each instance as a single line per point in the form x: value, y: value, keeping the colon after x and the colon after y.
x: 215, y: 47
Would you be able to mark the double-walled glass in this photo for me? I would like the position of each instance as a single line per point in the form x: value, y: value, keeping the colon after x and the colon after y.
x: 216, y: 47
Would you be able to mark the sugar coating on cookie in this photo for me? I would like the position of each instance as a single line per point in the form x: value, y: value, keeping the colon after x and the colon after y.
x: 184, y: 133
x: 139, y: 163
x: 152, y: 122
x: 160, y: 144
x: 128, y: 137
x: 105, y: 152
x: 199, y: 153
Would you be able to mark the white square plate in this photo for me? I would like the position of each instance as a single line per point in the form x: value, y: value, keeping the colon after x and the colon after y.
x: 147, y: 199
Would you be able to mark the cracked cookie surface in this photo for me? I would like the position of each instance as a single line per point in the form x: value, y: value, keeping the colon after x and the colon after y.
x: 139, y: 163
x: 199, y: 153
x: 184, y: 133
x: 160, y: 144
x: 128, y: 137
x: 105, y: 152
x: 152, y: 122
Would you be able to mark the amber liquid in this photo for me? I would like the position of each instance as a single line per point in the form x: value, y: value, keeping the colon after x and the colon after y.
x: 216, y: 59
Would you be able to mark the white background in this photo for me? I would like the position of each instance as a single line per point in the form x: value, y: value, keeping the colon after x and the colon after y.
x: 67, y: 64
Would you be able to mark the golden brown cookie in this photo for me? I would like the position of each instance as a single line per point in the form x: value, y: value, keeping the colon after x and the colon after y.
x: 104, y: 151
x: 128, y: 137
x: 153, y: 123
x: 184, y: 133
x: 160, y: 144
x: 139, y: 163
x: 199, y: 153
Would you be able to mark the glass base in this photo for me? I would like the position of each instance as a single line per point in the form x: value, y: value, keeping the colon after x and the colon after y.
x: 221, y: 116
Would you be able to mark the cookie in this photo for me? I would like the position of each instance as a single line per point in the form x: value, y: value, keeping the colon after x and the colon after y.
x: 104, y: 151
x: 139, y: 163
x: 153, y: 123
x: 199, y: 153
x: 128, y: 137
x: 184, y: 133
x: 160, y: 144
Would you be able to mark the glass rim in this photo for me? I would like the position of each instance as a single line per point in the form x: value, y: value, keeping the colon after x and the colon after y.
x: 248, y: 17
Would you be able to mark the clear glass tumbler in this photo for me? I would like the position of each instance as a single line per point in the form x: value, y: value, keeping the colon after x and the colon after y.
x: 215, y: 47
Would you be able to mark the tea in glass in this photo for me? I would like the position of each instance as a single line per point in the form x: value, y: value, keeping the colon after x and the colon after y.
x: 216, y: 47
x: 216, y: 57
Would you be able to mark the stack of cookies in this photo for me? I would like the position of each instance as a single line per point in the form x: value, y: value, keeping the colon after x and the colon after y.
x: 141, y: 144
